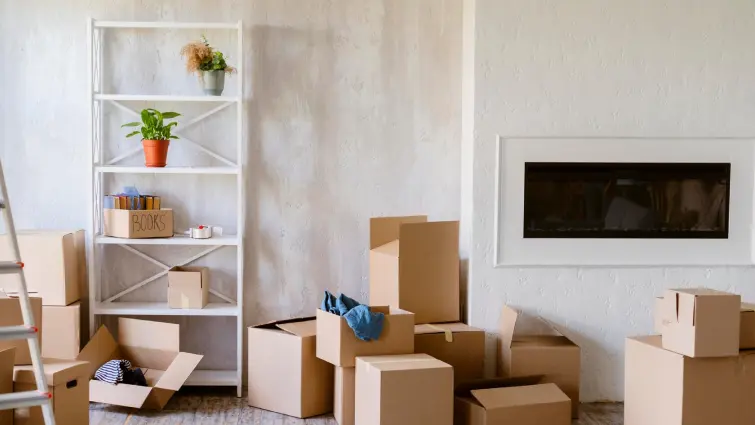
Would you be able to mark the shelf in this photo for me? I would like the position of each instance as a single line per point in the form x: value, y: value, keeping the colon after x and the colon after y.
x: 176, y: 25
x: 225, y: 240
x: 165, y: 98
x: 212, y: 378
x: 166, y: 170
x: 162, y: 309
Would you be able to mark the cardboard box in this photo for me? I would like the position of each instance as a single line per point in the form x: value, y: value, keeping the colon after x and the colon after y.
x: 7, y: 358
x: 666, y: 388
x: 69, y: 384
x: 337, y: 344
x: 343, y: 396
x: 554, y: 356
x: 61, y: 331
x: 10, y: 315
x: 188, y: 287
x: 457, y: 344
x: 285, y: 376
x: 407, y: 389
x: 701, y: 322
x: 139, y: 224
x: 52, y: 264
x: 520, y: 401
x: 151, y: 346
x: 414, y: 266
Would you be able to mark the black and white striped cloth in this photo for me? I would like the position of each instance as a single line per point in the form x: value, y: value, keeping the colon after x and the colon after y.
x: 112, y: 371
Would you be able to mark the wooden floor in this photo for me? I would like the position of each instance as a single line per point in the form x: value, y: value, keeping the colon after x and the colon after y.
x: 194, y: 407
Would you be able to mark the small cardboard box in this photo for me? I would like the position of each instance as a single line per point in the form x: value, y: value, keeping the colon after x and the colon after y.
x: 10, y: 315
x: 343, y: 397
x: 285, y: 376
x: 406, y: 389
x: 414, y: 266
x: 662, y: 387
x: 61, y: 331
x: 701, y: 322
x: 139, y: 224
x: 151, y: 346
x: 520, y: 401
x: 7, y: 358
x: 457, y: 344
x: 337, y: 344
x: 53, y: 263
x: 188, y: 287
x: 69, y: 384
x: 554, y: 356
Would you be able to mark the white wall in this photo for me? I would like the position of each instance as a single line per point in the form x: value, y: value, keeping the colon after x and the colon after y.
x: 639, y: 68
x: 353, y: 111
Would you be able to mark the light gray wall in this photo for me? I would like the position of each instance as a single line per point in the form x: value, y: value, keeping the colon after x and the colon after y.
x: 353, y: 110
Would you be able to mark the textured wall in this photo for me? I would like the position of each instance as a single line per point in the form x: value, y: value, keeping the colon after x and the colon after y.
x: 602, y: 68
x: 353, y: 111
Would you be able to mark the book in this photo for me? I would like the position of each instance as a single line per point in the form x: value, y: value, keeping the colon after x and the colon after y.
x: 150, y: 202
x: 157, y: 202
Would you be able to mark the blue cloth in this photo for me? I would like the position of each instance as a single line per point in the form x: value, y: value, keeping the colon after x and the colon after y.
x: 366, y: 325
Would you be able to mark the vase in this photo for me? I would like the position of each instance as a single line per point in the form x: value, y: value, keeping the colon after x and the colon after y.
x: 214, y: 82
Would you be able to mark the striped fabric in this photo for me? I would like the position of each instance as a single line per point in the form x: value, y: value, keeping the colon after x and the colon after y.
x: 112, y: 371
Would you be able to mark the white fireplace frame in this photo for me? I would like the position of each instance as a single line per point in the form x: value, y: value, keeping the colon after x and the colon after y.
x: 511, y: 249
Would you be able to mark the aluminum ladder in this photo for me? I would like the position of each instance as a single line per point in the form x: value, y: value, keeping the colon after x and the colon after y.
x: 42, y: 396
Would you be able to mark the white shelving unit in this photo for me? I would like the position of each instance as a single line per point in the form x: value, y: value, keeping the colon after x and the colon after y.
x: 100, y: 166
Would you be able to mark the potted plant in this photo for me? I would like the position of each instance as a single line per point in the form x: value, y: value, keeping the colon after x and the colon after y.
x: 209, y: 64
x: 155, y: 135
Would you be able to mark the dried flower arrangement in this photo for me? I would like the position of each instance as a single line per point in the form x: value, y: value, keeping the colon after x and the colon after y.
x: 200, y: 56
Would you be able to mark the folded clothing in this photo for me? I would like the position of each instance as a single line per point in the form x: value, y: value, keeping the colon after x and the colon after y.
x: 119, y: 372
x: 366, y: 325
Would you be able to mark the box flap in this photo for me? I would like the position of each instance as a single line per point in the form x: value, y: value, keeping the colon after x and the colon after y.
x: 274, y: 324
x: 391, y: 248
x: 509, y: 317
x: 148, y: 334
x: 56, y: 372
x: 679, y: 306
x: 464, y: 389
x: 300, y: 329
x: 444, y: 328
x: 747, y: 308
x: 386, y: 229
x: 100, y: 349
x: 179, y: 371
x: 118, y: 395
x: 495, y: 398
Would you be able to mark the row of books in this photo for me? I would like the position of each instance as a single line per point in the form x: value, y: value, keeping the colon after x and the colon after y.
x: 125, y: 202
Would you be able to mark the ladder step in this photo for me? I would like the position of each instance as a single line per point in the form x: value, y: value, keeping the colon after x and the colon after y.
x: 23, y: 399
x: 9, y: 267
x: 17, y: 332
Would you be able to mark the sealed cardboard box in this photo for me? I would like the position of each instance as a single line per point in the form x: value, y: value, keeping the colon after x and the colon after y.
x: 414, y: 266
x: 554, y: 356
x: 701, y: 322
x: 457, y: 344
x: 151, y: 346
x: 343, y: 397
x: 139, y: 224
x: 285, y: 376
x: 53, y: 260
x: 519, y: 401
x: 61, y: 331
x: 10, y: 315
x: 188, y: 287
x: 337, y: 344
x: 69, y: 384
x: 7, y: 358
x: 666, y: 388
x: 408, y: 389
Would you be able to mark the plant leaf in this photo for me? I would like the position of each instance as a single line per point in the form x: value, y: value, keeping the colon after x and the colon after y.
x: 168, y: 115
x: 172, y: 124
x: 131, y: 124
x: 173, y: 137
x: 133, y: 133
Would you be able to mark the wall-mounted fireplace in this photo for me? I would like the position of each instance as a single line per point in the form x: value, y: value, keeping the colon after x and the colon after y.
x: 626, y: 200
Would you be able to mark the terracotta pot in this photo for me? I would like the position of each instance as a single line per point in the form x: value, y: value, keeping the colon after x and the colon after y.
x: 155, y: 152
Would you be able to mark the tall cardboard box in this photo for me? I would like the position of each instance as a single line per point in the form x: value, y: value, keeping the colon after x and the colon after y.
x: 414, y: 266
x: 337, y: 344
x: 10, y: 315
x: 188, y: 287
x: 138, y: 224
x: 61, y: 331
x: 701, y: 322
x: 343, y: 397
x: 666, y: 388
x: 151, y: 346
x: 554, y: 356
x: 69, y: 384
x: 285, y: 376
x: 7, y: 357
x: 52, y: 264
x: 409, y: 389
x: 457, y: 344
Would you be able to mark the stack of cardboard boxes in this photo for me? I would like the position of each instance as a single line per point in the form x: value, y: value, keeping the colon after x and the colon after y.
x: 700, y: 369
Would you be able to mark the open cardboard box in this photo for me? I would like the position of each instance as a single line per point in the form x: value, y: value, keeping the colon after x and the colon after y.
x: 151, y: 346
x: 7, y: 357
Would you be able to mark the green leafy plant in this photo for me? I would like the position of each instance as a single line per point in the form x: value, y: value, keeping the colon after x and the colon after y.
x: 153, y: 125
x: 200, y: 56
